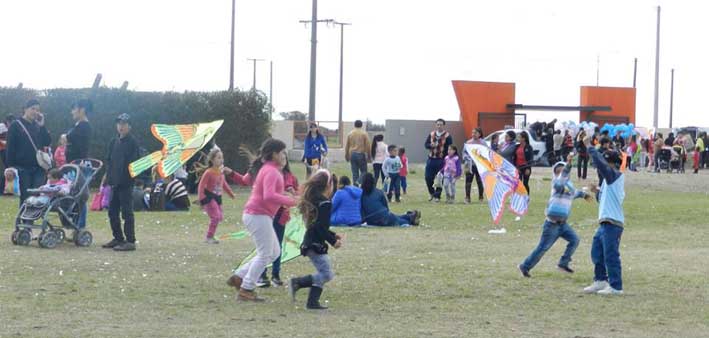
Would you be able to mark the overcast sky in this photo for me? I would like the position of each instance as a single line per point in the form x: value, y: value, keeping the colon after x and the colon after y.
x: 400, y: 56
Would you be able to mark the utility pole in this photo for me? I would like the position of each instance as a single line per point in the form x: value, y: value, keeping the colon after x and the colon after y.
x: 635, y: 72
x: 231, y: 59
x: 313, y: 56
x: 342, y: 58
x: 270, y: 90
x: 253, y: 87
x: 672, y: 95
x: 657, y: 72
x: 598, y: 69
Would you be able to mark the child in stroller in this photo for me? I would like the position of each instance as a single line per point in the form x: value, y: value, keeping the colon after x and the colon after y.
x: 57, y: 206
x: 56, y: 186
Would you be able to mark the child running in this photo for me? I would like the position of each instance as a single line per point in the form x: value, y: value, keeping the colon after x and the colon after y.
x: 391, y: 168
x: 451, y: 172
x: 605, y: 250
x: 210, y: 189
x: 267, y: 197
x: 555, y: 226
x: 404, y: 169
x: 315, y: 207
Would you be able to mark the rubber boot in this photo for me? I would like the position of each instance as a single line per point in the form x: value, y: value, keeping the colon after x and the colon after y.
x: 299, y: 283
x: 314, y: 299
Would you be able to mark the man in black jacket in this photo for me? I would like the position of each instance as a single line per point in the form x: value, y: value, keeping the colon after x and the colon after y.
x: 24, y: 137
x: 78, y: 139
x: 121, y: 152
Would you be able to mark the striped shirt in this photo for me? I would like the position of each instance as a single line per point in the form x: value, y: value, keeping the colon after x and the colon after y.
x: 562, y: 194
x: 175, y: 189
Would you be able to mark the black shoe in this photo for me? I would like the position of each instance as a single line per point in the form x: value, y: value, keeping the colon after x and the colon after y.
x: 565, y: 268
x: 125, y: 246
x: 524, y: 271
x: 299, y: 283
x: 314, y: 299
x: 112, y: 244
x: 263, y: 282
x: 276, y: 281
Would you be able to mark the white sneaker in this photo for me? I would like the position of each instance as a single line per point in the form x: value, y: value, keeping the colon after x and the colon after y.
x: 596, y: 286
x: 610, y: 291
x: 211, y: 240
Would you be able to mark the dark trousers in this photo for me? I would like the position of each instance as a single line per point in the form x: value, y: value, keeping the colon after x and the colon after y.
x: 403, y: 183
x: 3, y: 158
x: 280, y: 230
x: 705, y: 155
x: 582, y: 164
x: 377, y: 167
x: 358, y: 164
x: 525, y: 178
x: 122, y: 204
x: 394, y: 186
x: 433, y: 166
x: 469, y: 182
x: 30, y: 178
x: 605, y: 254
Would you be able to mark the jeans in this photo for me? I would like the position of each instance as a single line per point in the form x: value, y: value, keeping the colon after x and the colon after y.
x: 390, y: 219
x: 394, y: 186
x: 280, y: 230
x: 377, y: 167
x: 433, y: 166
x: 122, y: 203
x: 216, y: 215
x: 322, y: 264
x: 582, y: 165
x: 267, y: 249
x: 469, y: 182
x: 449, y: 185
x: 525, y: 178
x: 605, y: 254
x: 403, y: 183
x: 358, y: 164
x: 30, y: 178
x: 550, y: 233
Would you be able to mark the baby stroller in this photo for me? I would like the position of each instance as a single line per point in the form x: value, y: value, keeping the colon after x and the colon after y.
x: 664, y: 159
x: 52, y: 216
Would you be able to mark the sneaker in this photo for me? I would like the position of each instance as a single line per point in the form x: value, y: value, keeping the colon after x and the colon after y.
x: 467, y: 200
x: 431, y: 198
x: 417, y: 218
x: 437, y: 200
x: 524, y: 271
x: 610, y: 291
x: 248, y: 296
x: 112, y: 244
x: 276, y: 281
x: 596, y: 286
x: 565, y: 268
x: 211, y: 240
x: 263, y: 282
x: 398, y: 200
x: 125, y: 246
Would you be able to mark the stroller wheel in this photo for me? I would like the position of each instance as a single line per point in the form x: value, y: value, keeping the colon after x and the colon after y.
x: 83, y: 238
x: 24, y: 237
x: 13, y: 237
x: 48, y: 240
x: 60, y: 234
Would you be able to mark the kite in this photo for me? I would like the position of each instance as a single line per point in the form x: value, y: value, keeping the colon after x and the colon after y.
x: 501, y: 181
x: 180, y: 143
x: 292, y: 238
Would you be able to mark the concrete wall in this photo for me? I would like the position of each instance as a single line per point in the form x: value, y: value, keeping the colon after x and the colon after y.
x: 283, y: 130
x: 412, y: 134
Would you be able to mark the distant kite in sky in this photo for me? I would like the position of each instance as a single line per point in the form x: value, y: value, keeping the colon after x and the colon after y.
x: 180, y: 143
x: 501, y: 181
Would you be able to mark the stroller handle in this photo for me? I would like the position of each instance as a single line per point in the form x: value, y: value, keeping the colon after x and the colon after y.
x: 92, y: 162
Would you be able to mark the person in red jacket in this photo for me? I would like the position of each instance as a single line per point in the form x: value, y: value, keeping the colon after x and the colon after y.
x: 211, y: 186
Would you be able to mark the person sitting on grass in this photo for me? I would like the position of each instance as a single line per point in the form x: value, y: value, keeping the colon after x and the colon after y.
x: 346, y: 204
x: 555, y: 226
x: 375, y: 209
x: 605, y: 250
x: 176, y: 197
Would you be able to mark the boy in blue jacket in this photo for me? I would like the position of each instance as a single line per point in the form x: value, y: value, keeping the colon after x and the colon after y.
x: 555, y: 226
x: 605, y: 250
x: 346, y: 204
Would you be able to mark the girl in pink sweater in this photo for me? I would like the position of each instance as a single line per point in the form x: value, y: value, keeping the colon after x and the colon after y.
x: 267, y: 197
x: 210, y: 189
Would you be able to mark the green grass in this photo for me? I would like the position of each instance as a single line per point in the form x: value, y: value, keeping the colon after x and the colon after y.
x: 447, y: 278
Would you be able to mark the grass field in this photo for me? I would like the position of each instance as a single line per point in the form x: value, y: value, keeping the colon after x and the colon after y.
x: 446, y: 278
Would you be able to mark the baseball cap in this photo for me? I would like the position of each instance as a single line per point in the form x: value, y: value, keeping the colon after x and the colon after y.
x: 125, y: 118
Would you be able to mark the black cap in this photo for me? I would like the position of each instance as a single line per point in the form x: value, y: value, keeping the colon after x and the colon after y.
x: 612, y: 157
x: 123, y: 118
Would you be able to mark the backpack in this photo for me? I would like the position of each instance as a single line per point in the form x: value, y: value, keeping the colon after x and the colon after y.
x: 157, y: 198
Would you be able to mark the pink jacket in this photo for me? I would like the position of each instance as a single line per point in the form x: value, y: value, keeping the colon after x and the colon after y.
x: 268, y: 193
x: 213, y: 181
